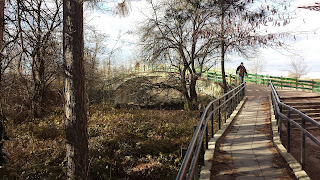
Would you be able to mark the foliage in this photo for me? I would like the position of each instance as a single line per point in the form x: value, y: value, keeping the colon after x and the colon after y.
x: 256, y: 65
x: 35, y: 149
x: 315, y: 7
x: 134, y: 144
x: 240, y: 27
x: 37, y: 51
x: 17, y: 97
x: 298, y: 68
x: 138, y: 144
x: 174, y: 33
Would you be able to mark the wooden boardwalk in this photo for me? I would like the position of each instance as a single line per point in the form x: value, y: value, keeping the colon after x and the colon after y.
x: 246, y: 150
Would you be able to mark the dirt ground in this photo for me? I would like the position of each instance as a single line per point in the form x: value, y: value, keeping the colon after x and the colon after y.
x: 312, y: 166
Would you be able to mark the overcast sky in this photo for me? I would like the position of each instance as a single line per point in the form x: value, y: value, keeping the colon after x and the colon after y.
x: 306, y: 46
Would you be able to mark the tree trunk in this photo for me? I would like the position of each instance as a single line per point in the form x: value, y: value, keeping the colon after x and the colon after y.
x: 225, y: 88
x: 1, y: 39
x: 184, y: 89
x: 189, y: 92
x: 193, y: 93
x: 39, y: 79
x: 75, y: 110
x: 2, y: 117
x: 20, y: 36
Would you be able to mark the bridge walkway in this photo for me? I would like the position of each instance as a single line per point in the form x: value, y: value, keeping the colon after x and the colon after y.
x: 246, y: 150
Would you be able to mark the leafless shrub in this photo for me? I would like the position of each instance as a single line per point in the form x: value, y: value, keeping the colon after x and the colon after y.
x: 298, y: 68
x: 256, y: 65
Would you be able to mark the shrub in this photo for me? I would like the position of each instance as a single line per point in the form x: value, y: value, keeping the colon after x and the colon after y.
x: 131, y: 144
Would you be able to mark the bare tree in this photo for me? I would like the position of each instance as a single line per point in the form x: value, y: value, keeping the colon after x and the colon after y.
x: 2, y: 118
x: 315, y: 7
x: 177, y: 33
x: 93, y: 50
x: 298, y: 68
x: 238, y: 27
x: 257, y: 65
x: 38, y: 27
x: 1, y: 40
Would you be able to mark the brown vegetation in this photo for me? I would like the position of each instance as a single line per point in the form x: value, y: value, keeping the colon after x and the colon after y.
x: 135, y: 144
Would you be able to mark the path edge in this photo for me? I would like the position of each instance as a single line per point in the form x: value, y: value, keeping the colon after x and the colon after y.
x: 209, y: 153
x: 291, y: 161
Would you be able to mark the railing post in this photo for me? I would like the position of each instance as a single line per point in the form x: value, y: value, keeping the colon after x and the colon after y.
x: 231, y: 104
x: 234, y: 100
x: 183, y: 152
x: 207, y: 74
x: 202, y: 154
x: 238, y: 99
x: 215, y: 76
x: 195, y: 175
x: 194, y: 128
x: 288, y: 132
x: 236, y: 79
x: 219, y: 114
x: 256, y: 79
x: 276, y: 112
x: 225, y: 109
x: 212, y: 122
x: 242, y: 91
x: 202, y: 150
x: 303, y: 144
x: 207, y: 138
x: 279, y: 122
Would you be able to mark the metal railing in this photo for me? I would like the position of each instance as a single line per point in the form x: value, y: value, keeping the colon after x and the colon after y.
x: 223, y: 107
x: 279, y: 108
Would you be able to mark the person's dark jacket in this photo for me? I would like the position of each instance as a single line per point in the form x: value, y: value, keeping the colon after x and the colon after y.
x: 242, y: 70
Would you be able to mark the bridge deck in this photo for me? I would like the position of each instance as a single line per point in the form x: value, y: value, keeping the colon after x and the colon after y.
x: 247, y: 151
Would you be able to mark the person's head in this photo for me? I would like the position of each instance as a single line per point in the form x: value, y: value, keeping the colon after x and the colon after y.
x: 241, y: 64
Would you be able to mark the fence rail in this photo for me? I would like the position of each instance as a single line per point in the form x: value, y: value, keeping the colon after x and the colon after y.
x: 277, y: 81
x: 217, y: 111
x: 279, y: 108
x: 216, y: 76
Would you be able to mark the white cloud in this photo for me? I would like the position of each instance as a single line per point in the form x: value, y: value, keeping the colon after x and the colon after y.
x: 306, y: 45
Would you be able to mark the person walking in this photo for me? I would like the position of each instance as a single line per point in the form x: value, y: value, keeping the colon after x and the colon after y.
x: 241, y: 71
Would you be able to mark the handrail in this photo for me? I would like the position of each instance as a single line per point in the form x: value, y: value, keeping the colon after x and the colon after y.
x: 278, y: 109
x: 230, y: 101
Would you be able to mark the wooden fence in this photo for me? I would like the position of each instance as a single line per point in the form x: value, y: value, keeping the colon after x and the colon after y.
x: 282, y: 82
x: 232, y: 78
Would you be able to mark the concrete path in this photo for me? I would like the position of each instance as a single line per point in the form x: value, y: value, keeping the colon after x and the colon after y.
x: 249, y: 143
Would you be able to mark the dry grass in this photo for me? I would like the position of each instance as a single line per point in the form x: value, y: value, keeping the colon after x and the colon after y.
x: 135, y: 144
